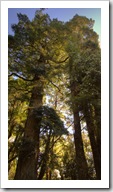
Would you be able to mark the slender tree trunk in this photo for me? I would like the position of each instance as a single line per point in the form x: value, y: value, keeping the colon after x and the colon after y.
x: 94, y: 146
x: 82, y: 168
x: 45, y: 158
x: 28, y: 156
x: 48, y: 173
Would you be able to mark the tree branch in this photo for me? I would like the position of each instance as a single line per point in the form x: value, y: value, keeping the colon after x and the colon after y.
x: 63, y: 60
x: 55, y: 85
x: 15, y: 74
x: 70, y: 125
x: 60, y: 61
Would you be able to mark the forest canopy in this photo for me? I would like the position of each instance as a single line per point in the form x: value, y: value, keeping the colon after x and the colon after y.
x: 54, y: 99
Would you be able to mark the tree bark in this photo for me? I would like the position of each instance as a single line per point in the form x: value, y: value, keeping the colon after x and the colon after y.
x: 48, y: 173
x: 82, y: 168
x: 28, y: 156
x: 94, y: 145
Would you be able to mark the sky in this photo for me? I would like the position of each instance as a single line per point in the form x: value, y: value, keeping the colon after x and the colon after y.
x: 62, y: 14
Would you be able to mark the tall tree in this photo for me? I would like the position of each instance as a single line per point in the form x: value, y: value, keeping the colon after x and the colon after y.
x: 31, y: 51
x: 92, y: 105
x: 83, y: 40
x: 29, y: 64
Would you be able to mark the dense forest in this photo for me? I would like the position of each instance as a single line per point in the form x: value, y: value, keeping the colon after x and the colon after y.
x: 54, y: 99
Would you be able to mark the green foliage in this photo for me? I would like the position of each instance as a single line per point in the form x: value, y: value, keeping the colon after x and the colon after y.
x: 64, y: 60
x: 49, y: 120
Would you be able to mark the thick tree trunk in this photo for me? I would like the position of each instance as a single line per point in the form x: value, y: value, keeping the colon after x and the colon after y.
x: 94, y: 145
x: 28, y: 156
x: 81, y: 163
x: 82, y: 168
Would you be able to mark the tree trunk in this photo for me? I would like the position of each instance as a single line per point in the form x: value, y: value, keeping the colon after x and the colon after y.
x: 94, y: 146
x: 81, y: 163
x: 45, y: 158
x: 82, y: 168
x: 28, y: 156
x: 98, y: 124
